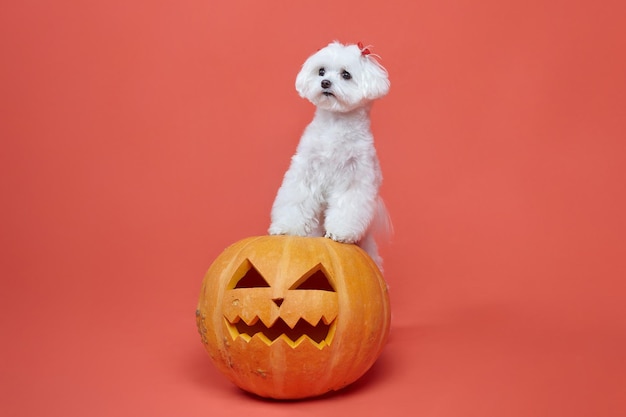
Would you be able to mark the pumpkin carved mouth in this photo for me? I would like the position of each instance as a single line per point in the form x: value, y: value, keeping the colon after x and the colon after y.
x: 320, y: 334
x: 305, y: 310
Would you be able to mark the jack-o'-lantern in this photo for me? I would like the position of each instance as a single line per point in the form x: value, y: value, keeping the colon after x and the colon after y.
x: 292, y: 317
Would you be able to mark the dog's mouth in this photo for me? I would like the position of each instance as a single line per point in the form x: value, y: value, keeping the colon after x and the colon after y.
x: 328, y: 94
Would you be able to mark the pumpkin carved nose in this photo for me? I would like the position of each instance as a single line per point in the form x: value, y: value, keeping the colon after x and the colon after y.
x: 326, y: 84
x: 278, y: 301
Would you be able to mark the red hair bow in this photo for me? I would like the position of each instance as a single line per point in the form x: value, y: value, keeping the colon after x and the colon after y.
x: 364, y: 51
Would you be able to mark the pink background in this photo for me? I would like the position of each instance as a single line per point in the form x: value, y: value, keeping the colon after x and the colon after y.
x: 140, y: 138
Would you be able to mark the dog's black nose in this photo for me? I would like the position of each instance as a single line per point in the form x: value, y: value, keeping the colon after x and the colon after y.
x: 326, y: 84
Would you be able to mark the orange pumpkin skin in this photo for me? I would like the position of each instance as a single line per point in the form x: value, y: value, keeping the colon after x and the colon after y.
x: 263, y: 286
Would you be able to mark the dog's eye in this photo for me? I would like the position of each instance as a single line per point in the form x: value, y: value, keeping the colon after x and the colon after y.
x: 346, y: 75
x: 322, y: 71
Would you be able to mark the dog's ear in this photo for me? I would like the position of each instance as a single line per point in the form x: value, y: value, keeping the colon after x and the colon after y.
x: 374, y: 80
x: 305, y: 78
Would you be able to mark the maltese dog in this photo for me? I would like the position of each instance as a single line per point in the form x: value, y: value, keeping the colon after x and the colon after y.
x: 331, y: 186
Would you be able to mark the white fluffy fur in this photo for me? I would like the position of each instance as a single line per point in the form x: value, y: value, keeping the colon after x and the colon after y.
x: 331, y: 186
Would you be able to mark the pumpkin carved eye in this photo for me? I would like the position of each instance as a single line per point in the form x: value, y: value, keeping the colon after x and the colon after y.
x: 304, y: 311
x: 252, y: 279
x: 317, y: 281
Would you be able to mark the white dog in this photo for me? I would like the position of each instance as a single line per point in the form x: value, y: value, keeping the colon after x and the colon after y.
x: 331, y: 186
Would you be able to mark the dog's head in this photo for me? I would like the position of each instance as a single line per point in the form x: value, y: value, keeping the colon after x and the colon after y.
x: 342, y: 78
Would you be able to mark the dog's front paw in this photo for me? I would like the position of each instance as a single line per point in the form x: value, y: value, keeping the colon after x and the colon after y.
x: 338, y: 238
x: 279, y: 229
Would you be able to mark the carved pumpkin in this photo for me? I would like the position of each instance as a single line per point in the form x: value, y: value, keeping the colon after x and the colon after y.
x: 292, y: 317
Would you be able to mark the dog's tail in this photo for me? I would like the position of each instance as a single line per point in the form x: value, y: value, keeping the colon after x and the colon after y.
x: 381, y: 226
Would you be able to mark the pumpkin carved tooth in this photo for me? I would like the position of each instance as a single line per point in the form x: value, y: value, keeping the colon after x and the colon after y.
x: 317, y: 333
